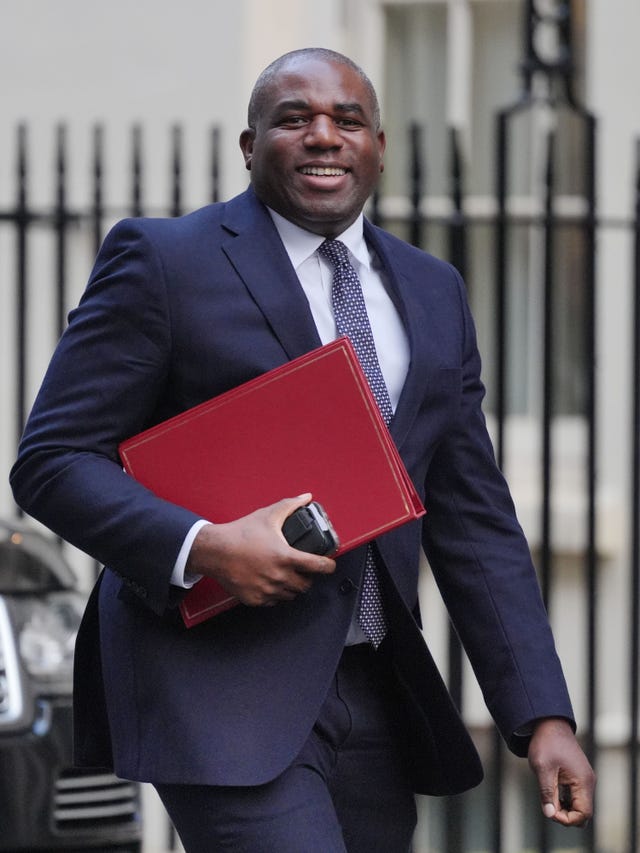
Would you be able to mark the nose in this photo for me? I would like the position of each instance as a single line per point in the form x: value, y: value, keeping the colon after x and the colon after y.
x: 322, y: 133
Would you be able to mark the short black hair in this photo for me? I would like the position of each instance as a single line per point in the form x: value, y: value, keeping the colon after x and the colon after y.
x: 256, y: 101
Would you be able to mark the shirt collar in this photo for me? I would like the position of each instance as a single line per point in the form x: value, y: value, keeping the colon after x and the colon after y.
x: 301, y: 244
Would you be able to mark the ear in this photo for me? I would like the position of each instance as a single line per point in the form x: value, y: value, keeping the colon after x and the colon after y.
x: 382, y: 144
x: 246, y: 146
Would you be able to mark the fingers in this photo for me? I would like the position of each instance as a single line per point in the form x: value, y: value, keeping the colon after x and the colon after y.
x: 566, y: 817
x: 571, y: 805
x: 569, y: 812
x: 289, y: 586
x: 281, y: 583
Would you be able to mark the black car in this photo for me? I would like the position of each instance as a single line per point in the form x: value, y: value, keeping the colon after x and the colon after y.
x: 45, y: 803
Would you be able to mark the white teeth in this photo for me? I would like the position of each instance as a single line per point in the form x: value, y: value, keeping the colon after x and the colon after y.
x: 323, y: 171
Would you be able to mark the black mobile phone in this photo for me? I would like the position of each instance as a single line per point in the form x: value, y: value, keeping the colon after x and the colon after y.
x: 309, y: 529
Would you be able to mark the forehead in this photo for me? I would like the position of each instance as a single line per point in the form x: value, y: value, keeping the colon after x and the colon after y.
x: 318, y: 82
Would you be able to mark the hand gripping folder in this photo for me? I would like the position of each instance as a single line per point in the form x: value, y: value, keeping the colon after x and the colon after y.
x: 310, y: 425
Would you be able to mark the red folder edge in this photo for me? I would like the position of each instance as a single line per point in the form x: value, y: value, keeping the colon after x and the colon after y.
x: 208, y: 598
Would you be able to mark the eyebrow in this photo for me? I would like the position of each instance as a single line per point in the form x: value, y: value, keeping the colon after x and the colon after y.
x: 348, y: 107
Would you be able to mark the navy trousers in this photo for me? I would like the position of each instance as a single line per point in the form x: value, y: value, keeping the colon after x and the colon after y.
x: 346, y: 792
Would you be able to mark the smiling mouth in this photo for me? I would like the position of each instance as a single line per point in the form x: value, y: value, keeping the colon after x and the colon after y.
x: 323, y: 171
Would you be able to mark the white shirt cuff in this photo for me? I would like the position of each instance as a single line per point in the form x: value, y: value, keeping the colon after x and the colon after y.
x: 179, y: 577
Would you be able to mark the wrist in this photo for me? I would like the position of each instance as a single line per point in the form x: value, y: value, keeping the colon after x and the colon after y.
x: 558, y: 724
x: 202, y: 555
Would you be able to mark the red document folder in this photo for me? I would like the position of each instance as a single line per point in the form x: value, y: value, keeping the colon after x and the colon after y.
x: 310, y: 425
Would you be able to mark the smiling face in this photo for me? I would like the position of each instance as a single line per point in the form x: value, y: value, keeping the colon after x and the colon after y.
x: 315, y: 152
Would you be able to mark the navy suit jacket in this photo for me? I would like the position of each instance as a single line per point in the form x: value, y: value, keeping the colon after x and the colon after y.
x: 177, y: 311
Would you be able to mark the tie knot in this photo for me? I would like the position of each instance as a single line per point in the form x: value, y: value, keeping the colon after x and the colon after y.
x: 335, y: 252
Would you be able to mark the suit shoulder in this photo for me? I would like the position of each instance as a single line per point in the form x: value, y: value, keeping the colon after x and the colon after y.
x: 227, y: 217
x: 410, y: 257
x: 177, y: 237
x: 153, y: 226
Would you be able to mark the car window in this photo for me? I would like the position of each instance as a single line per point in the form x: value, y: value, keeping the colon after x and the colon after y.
x: 30, y: 563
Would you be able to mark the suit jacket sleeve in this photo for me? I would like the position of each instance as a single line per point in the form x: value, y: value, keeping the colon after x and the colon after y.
x: 103, y: 385
x: 482, y: 565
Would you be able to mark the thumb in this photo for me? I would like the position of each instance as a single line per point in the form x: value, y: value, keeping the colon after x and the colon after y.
x: 285, y: 507
x: 549, y: 798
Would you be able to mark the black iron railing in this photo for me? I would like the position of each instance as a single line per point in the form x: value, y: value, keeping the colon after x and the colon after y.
x: 63, y: 221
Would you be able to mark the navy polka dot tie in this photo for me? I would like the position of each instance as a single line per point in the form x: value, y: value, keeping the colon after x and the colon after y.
x: 352, y: 320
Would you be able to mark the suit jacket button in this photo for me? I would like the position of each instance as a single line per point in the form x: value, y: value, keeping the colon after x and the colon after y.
x: 346, y: 586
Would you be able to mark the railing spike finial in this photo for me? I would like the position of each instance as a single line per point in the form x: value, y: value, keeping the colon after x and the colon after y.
x: 548, y: 45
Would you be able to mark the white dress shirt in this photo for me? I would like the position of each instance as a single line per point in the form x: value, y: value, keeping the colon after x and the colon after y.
x: 315, y: 275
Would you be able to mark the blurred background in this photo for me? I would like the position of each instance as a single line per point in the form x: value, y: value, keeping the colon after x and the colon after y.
x: 513, y: 132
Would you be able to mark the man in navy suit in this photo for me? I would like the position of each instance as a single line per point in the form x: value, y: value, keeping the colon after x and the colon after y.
x: 278, y: 726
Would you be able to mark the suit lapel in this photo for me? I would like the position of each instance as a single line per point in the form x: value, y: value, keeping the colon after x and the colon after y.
x: 256, y: 251
x: 415, y: 320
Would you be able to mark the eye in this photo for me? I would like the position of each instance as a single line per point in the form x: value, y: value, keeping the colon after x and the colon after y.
x: 349, y: 123
x: 292, y: 121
